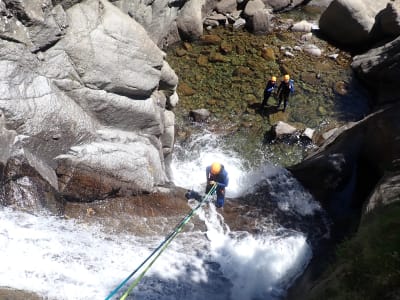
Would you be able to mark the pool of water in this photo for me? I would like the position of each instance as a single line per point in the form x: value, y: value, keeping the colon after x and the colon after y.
x: 227, y: 76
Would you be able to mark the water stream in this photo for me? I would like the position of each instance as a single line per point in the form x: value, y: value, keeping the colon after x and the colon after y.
x: 60, y: 258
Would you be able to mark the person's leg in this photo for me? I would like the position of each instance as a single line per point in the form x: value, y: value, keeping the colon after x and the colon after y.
x: 266, y: 97
x: 285, y: 103
x: 220, y: 197
x: 279, y: 100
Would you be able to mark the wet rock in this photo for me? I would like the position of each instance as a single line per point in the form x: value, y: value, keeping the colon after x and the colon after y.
x: 282, y: 129
x: 239, y: 23
x: 242, y: 71
x: 322, y: 111
x: 308, y: 133
x: 259, y: 23
x: 389, y: 19
x: 333, y: 56
x: 30, y: 184
x: 380, y: 65
x: 185, y: 89
x: 180, y: 52
x: 226, y: 47
x: 350, y: 22
x: 216, y: 57
x: 13, y: 294
x: 306, y: 37
x: 210, y: 39
x: 302, y: 26
x: 312, y: 49
x: 268, y: 54
x: 288, y: 54
x: 199, y: 115
x: 190, y: 20
x: 202, y: 60
x: 187, y: 46
x: 340, y: 88
x: 252, y: 7
x: 309, y: 77
x: 226, y: 6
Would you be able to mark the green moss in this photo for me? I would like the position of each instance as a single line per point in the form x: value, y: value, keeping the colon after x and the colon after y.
x: 368, y: 265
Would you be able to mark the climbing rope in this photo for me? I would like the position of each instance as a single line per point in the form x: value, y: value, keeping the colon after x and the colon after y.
x: 160, y: 248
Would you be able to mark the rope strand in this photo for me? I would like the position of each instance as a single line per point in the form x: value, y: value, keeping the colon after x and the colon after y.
x: 164, y: 244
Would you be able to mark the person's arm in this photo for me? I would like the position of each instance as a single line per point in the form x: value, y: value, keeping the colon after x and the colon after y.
x: 270, y: 86
x: 224, y: 180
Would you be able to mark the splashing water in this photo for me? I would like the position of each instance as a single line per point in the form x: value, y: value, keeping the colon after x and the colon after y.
x: 64, y: 259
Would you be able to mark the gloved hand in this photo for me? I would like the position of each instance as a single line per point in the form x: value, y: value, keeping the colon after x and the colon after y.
x: 212, y: 182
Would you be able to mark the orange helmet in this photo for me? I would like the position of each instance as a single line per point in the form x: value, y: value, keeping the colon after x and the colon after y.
x: 215, y: 168
x: 286, y: 78
x: 273, y: 78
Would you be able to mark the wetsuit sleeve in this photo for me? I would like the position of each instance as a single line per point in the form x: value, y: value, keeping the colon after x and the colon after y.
x: 270, y: 86
x: 224, y: 180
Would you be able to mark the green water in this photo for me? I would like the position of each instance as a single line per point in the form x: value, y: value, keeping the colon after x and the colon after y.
x: 227, y: 76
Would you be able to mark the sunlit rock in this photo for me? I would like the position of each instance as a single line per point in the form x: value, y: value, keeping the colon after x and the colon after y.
x: 190, y: 20
x: 350, y: 22
x: 302, y: 26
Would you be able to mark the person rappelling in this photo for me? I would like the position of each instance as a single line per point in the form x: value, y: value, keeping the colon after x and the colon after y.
x: 216, y: 175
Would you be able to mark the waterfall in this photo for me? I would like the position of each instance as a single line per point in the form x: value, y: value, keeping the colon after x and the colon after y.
x: 61, y: 258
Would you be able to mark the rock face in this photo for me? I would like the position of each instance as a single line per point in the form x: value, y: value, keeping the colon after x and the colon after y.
x: 86, y: 113
x: 380, y: 69
x: 351, y: 22
x: 356, y: 172
x: 369, y: 144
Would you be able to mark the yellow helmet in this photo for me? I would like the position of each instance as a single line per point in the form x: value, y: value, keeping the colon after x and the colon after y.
x: 215, y: 168
x: 273, y: 78
x: 286, y: 77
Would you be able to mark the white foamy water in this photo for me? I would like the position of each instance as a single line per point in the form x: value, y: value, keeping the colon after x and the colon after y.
x: 64, y: 259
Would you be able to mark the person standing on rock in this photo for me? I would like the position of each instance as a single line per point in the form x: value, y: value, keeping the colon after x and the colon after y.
x: 269, y: 88
x: 216, y: 174
x: 285, y: 88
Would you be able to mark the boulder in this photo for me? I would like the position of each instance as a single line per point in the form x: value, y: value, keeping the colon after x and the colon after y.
x: 302, y: 26
x: 226, y: 6
x: 190, y: 20
x: 282, y: 129
x: 283, y: 5
x: 349, y: 22
x: 199, y: 115
x: 29, y: 183
x: 386, y: 192
x: 380, y: 69
x: 100, y: 39
x: 114, y: 165
x: 388, y: 20
x: 101, y: 91
x: 157, y: 17
x: 34, y: 23
x: 361, y: 152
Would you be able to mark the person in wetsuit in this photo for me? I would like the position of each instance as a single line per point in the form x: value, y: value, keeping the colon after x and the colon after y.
x: 216, y: 174
x: 284, y: 90
x: 269, y: 88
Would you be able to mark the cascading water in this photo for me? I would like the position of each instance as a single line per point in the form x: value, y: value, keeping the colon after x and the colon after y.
x: 67, y: 259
